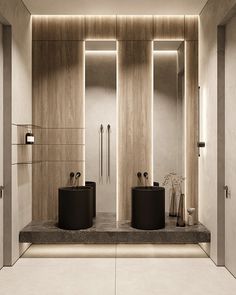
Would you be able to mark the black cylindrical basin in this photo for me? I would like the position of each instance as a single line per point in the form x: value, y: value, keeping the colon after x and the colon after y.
x: 148, y: 207
x: 75, y: 207
x: 92, y: 184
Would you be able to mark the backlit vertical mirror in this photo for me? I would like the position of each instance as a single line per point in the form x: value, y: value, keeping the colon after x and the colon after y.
x: 100, y: 122
x: 168, y: 111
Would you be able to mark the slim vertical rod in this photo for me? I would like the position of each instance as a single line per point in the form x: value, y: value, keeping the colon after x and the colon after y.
x: 199, y: 120
x: 108, y: 152
x: 101, y: 152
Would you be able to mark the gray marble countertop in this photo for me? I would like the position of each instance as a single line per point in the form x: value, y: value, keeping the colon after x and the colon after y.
x: 107, y: 230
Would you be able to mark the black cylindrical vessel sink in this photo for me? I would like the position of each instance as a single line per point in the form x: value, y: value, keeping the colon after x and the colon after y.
x: 148, y: 207
x: 75, y: 207
x: 92, y: 184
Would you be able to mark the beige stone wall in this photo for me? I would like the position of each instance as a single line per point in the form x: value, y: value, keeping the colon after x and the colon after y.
x: 210, y: 163
x: 15, y: 14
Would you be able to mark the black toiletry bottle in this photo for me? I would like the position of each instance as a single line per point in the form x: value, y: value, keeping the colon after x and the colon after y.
x: 29, y: 137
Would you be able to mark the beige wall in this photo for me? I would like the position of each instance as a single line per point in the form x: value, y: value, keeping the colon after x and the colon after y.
x: 15, y: 13
x: 134, y: 111
x: 210, y: 162
x: 58, y: 108
x: 230, y: 144
x: 1, y: 143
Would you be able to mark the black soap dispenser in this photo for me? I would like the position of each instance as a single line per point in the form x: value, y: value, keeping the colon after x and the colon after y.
x: 29, y: 137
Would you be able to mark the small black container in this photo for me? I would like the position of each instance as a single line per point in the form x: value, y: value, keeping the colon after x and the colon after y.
x: 92, y: 184
x: 74, y: 207
x: 148, y: 207
x: 29, y: 137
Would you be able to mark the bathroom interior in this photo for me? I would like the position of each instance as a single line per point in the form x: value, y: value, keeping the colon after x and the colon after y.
x: 117, y: 130
x: 111, y: 132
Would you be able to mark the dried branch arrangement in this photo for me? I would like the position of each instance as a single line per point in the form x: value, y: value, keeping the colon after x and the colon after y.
x: 174, y: 182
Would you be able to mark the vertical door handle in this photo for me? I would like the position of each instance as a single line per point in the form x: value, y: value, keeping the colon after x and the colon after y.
x: 1, y: 190
x: 101, y: 152
x: 108, y: 152
x: 227, y: 191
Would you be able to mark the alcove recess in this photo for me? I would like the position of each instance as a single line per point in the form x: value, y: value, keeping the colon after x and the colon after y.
x: 58, y: 100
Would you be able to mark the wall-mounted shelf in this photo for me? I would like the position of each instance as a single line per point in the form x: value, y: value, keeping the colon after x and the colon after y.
x: 48, y: 128
x: 23, y: 144
x: 41, y: 144
x: 48, y: 161
x: 63, y: 128
x: 28, y: 163
x: 27, y: 125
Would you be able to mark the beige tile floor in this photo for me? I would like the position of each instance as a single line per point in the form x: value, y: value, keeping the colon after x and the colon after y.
x: 124, y: 271
x: 175, y: 276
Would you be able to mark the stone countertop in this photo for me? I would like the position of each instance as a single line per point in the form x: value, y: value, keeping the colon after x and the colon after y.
x: 106, y: 230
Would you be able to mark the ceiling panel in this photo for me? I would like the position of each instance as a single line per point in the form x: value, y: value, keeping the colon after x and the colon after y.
x: 122, y: 7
